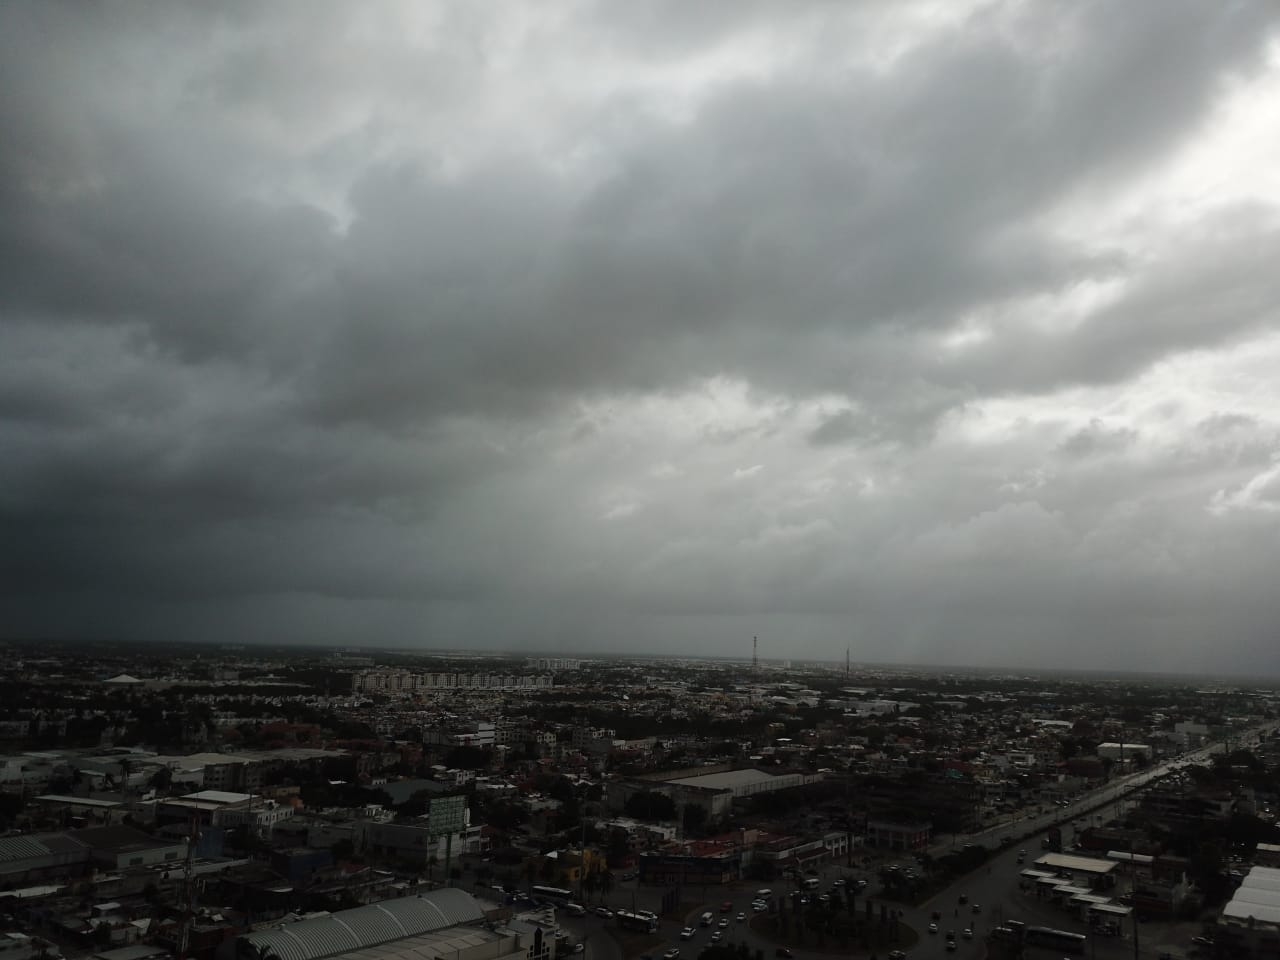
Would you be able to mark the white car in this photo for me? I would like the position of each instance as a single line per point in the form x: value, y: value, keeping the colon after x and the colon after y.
x: 604, y: 912
x: 687, y: 933
x: 764, y: 892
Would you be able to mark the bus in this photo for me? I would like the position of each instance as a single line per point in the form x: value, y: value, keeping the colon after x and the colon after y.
x: 554, y: 894
x: 1057, y: 939
x: 639, y: 922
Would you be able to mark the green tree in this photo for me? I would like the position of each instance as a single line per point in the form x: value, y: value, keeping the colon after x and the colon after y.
x: 651, y: 805
x: 695, y: 817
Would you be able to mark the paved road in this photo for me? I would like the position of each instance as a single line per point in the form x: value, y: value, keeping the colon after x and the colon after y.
x: 1105, y: 795
x: 994, y: 888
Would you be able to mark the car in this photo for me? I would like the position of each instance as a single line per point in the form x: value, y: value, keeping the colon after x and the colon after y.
x: 977, y: 908
x: 687, y: 933
x: 839, y: 883
x: 716, y: 936
x: 671, y: 954
x: 578, y: 947
x: 897, y: 955
x: 784, y: 952
x: 933, y: 928
x: 964, y: 898
x: 1202, y: 941
x: 759, y: 907
x: 628, y: 876
x: 741, y: 916
x: 967, y: 933
x: 951, y: 945
x: 604, y: 913
x: 764, y: 892
x: 724, y: 922
x: 862, y: 884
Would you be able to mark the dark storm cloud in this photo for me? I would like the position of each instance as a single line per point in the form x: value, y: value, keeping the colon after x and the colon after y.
x: 375, y: 308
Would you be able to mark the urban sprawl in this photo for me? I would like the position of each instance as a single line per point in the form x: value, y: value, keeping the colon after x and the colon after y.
x: 234, y: 803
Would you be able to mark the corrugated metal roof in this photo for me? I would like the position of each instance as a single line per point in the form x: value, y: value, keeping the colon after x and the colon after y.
x: 37, y: 845
x: 369, y: 926
x: 20, y: 848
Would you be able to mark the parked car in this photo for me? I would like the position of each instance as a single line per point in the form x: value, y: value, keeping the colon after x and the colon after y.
x: 671, y: 954
x: 687, y: 933
x: 604, y: 912
x: 716, y: 936
x: 724, y: 922
x: 967, y: 933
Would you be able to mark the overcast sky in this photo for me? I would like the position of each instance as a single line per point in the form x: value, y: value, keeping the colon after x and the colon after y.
x: 948, y: 333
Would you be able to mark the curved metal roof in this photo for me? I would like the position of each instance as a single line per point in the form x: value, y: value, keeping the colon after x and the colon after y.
x: 367, y: 926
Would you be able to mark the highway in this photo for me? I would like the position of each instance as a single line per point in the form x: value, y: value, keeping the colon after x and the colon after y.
x: 994, y: 888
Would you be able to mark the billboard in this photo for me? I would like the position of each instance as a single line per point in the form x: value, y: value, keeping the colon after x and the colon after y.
x: 447, y: 815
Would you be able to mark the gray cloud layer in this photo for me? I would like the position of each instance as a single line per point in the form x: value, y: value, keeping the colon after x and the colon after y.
x: 644, y: 329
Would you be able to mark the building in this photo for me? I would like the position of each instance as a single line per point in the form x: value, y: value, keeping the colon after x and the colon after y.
x: 892, y: 835
x: 82, y: 811
x: 444, y: 923
x: 1089, y: 871
x: 707, y: 862
x: 1124, y: 751
x: 36, y: 856
x: 1250, y: 924
x: 120, y: 847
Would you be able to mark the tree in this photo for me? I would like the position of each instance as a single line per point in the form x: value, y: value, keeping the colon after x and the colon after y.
x: 467, y: 758
x: 651, y: 805
x: 162, y: 779
x: 695, y: 817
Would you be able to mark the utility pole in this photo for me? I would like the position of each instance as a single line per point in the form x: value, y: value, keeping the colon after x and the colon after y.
x: 755, y: 654
x: 188, y: 892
